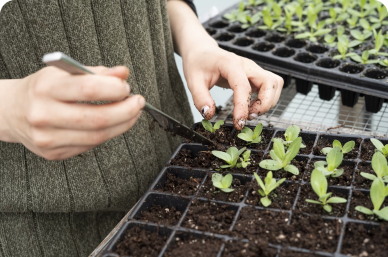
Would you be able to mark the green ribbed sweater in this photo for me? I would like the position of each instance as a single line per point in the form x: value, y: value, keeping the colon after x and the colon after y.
x: 65, y: 208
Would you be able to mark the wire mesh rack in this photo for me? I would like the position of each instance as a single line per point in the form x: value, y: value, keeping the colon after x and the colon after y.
x: 311, y: 113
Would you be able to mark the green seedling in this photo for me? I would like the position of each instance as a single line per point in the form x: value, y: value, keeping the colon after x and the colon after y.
x: 348, y: 146
x: 333, y: 160
x: 209, y: 127
x: 365, y: 9
x: 251, y: 20
x: 251, y: 137
x: 384, y: 62
x: 345, y: 5
x: 380, y: 147
x: 255, y: 2
x: 364, y: 58
x: 312, y: 35
x: 282, y: 159
x: 379, y: 41
x: 367, y: 26
x: 343, y: 51
x: 269, y: 21
x: 222, y: 183
x: 230, y: 157
x: 268, y: 187
x: 319, y: 185
x: 334, y: 18
x: 330, y: 39
x: 292, y: 133
x: 378, y: 192
x: 237, y: 14
x: 379, y: 166
x: 288, y: 23
x: 360, y: 37
x: 353, y: 21
x: 244, y: 161
x: 383, y: 14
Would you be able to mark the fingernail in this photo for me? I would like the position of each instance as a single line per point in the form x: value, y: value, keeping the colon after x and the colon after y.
x: 141, y: 101
x: 253, y: 116
x: 241, y: 123
x: 128, y: 87
x: 204, y: 110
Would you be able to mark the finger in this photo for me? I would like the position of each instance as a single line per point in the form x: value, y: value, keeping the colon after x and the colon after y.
x: 87, y: 116
x: 120, y: 72
x: 265, y: 99
x: 201, y: 97
x: 279, y: 90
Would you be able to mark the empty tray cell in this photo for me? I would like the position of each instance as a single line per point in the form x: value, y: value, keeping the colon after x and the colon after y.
x: 305, y: 57
x: 306, y: 192
x: 139, y: 240
x: 251, y: 248
x: 211, y: 31
x: 210, y: 216
x: 263, y: 47
x: 308, y: 139
x: 365, y: 240
x: 240, y: 185
x: 344, y: 180
x: 296, y: 43
x: 303, y: 86
x: 375, y: 74
x: 224, y: 37
x: 283, y: 197
x: 351, y: 68
x: 195, y: 156
x: 283, y: 52
x: 266, y: 135
x: 317, y: 49
x: 180, y: 181
x: 326, y: 92
x: 368, y: 149
x: 373, y: 104
x: 243, y: 41
x: 236, y: 29
x: 275, y: 38
x: 299, y: 161
x: 328, y: 63
x: 193, y: 245
x: 362, y: 198
x: 161, y: 209
x: 359, y: 181
x: 256, y: 33
x: 349, y: 98
x: 289, y: 253
x: 327, y: 141
x: 219, y: 24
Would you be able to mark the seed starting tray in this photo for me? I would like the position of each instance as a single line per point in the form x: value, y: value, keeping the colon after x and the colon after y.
x: 305, y: 61
x: 183, y: 203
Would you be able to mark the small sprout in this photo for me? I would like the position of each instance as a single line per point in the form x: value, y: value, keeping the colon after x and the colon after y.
x: 230, y: 157
x: 367, y: 27
x: 384, y: 62
x: 364, y: 58
x: 382, y: 15
x: 269, y: 22
x: 267, y: 188
x: 365, y: 9
x: 290, y: 135
x: 237, y: 14
x: 209, y: 127
x: 251, y: 20
x: 348, y: 146
x: 334, y: 18
x: 222, y: 183
x: 360, y: 36
x: 252, y: 137
x: 379, y: 41
x: 333, y: 160
x: 319, y: 185
x: 255, y: 2
x: 380, y: 167
x: 378, y: 192
x: 353, y: 22
x: 282, y: 159
x: 380, y: 147
x: 244, y: 161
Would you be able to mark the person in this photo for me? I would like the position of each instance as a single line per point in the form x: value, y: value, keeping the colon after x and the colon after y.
x: 76, y: 153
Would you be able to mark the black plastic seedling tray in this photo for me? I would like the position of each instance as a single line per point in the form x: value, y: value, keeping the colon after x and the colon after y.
x: 305, y: 61
x: 223, y: 239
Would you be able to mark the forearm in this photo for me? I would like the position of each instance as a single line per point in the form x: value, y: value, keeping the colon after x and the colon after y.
x: 186, y: 29
x: 7, y: 89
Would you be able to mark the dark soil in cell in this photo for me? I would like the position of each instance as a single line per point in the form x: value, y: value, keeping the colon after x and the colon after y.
x: 209, y: 216
x: 305, y: 57
x: 249, y: 249
x: 361, y: 240
x: 284, y: 52
x: 266, y: 136
x: 368, y: 149
x: 140, y: 242
x: 282, y: 197
x: 191, y: 246
x: 213, y: 193
x: 202, y: 160
x: 161, y: 215
x: 344, y: 180
x: 362, y: 198
x: 263, y: 47
x: 375, y: 74
x: 289, y: 253
x: 306, y: 192
x: 300, y: 163
x: 360, y: 181
x: 256, y: 33
x: 351, y: 68
x: 181, y: 186
x: 325, y: 142
x: 296, y: 43
x: 221, y: 135
x: 308, y: 141
x: 328, y: 63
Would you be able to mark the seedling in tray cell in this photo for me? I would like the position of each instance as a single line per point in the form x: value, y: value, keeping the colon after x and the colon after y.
x: 353, y: 21
x: 251, y: 20
x: 315, y: 30
x: 333, y: 160
x: 343, y: 50
x: 379, y: 166
x: 365, y: 9
x: 378, y: 192
x: 384, y: 62
x: 237, y: 14
x: 244, y: 162
x: 209, y: 127
x: 319, y: 185
x: 380, y: 147
x: 379, y: 41
x: 334, y: 18
x: 348, y: 146
x: 290, y: 135
x: 255, y: 2
x: 231, y: 156
x: 269, y: 22
x: 268, y: 187
x: 251, y: 137
x: 367, y: 26
x: 383, y: 13
x: 330, y: 40
x: 282, y: 159
x: 364, y: 58
x: 222, y: 183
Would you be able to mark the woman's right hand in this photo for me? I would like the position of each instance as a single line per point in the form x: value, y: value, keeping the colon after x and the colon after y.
x: 41, y: 110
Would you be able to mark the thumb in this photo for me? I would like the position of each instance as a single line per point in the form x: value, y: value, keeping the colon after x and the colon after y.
x: 202, y: 98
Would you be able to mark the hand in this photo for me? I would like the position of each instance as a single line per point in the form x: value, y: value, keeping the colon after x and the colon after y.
x: 41, y: 110
x: 207, y: 65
